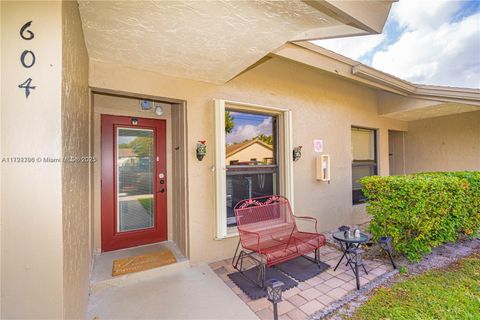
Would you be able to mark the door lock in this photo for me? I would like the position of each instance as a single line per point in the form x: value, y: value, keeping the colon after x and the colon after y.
x: 162, y: 181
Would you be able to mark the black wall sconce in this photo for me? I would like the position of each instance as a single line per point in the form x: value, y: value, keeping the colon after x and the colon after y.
x: 297, y: 153
x: 201, y: 149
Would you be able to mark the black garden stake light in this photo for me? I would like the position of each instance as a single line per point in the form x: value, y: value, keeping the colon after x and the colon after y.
x: 274, y: 294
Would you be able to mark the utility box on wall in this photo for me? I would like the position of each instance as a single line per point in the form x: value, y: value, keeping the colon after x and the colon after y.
x: 323, y: 167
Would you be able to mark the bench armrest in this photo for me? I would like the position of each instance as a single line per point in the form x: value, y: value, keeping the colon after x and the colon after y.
x: 245, y: 233
x: 312, y: 219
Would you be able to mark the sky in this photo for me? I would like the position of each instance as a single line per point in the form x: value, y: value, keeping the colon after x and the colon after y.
x: 248, y: 126
x: 435, y: 42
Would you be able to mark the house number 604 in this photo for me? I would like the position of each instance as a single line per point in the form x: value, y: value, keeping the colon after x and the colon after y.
x: 23, y: 59
x: 27, y: 58
x: 26, y: 34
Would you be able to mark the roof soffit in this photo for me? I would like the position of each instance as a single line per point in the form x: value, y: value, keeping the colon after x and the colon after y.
x: 210, y: 41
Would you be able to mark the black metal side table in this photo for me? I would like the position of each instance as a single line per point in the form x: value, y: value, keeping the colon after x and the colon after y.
x: 351, y: 251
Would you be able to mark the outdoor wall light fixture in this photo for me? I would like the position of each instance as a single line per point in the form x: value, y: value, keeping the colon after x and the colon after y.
x: 158, y: 109
x: 297, y: 153
x: 146, y: 104
x: 201, y: 149
x: 274, y: 294
x: 134, y: 121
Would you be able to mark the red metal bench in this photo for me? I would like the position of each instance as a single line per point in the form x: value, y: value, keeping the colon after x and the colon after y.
x: 269, y: 235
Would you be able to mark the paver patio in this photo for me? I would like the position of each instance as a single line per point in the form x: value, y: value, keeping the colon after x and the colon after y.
x: 312, y: 295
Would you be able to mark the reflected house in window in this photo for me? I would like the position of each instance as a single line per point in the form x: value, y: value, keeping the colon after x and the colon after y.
x: 251, y: 152
x: 126, y: 156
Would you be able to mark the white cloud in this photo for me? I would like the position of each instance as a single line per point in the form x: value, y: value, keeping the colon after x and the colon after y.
x: 448, y: 54
x: 422, y: 14
x: 431, y: 47
x: 355, y: 47
x: 249, y: 131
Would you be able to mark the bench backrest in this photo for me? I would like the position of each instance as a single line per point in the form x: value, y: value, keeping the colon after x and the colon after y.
x: 269, y: 215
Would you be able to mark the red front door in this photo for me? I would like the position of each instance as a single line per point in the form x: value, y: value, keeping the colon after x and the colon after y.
x: 134, y: 182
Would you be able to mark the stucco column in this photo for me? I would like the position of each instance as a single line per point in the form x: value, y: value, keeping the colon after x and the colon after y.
x: 31, y: 207
x: 45, y: 117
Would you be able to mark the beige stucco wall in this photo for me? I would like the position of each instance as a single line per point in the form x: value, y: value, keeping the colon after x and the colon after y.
x: 123, y: 106
x: 446, y: 143
x: 75, y: 175
x: 323, y: 107
x: 393, y: 103
x: 31, y: 198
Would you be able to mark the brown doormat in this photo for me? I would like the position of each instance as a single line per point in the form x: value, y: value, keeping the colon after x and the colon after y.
x: 143, y: 262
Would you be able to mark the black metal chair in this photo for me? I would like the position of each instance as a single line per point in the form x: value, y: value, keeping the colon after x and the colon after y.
x: 386, y: 244
x: 355, y: 260
x: 342, y: 247
x: 343, y: 229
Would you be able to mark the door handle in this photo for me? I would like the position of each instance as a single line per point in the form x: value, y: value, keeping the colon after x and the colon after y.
x: 162, y: 190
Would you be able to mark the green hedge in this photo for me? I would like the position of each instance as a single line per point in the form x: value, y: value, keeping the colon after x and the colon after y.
x: 424, y: 210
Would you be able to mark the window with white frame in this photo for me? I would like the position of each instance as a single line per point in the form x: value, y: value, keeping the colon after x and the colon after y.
x: 251, y: 157
x: 364, y: 159
x: 251, y: 161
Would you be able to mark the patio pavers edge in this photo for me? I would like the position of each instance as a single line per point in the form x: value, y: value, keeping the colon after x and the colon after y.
x: 353, y: 295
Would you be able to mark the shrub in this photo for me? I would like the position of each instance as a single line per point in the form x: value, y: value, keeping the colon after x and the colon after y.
x: 422, y: 211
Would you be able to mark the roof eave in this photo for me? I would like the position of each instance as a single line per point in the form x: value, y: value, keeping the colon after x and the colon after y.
x: 381, y: 80
x: 376, y: 76
x: 368, y: 16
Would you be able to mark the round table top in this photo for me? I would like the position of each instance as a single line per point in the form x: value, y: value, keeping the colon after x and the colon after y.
x: 340, y: 236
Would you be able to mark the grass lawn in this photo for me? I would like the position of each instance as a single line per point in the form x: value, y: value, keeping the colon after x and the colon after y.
x: 449, y: 293
x: 147, y: 204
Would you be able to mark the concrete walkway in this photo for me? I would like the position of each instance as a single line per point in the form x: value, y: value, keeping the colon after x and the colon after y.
x: 191, y: 293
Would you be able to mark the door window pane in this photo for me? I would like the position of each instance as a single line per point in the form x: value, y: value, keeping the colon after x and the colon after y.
x: 364, y: 163
x: 251, y: 157
x: 135, y: 183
